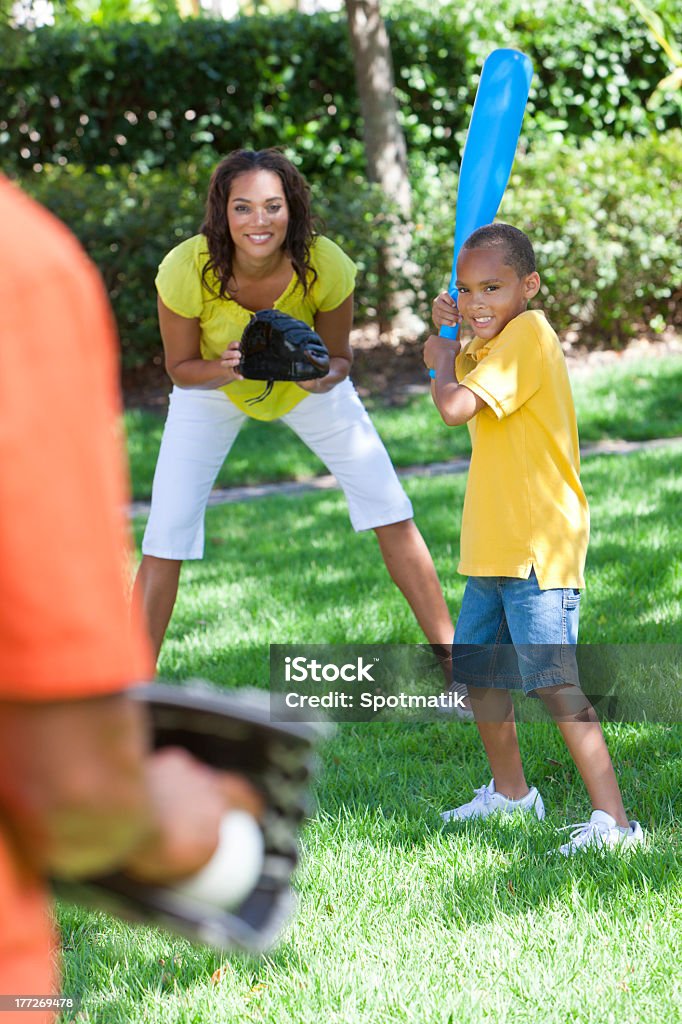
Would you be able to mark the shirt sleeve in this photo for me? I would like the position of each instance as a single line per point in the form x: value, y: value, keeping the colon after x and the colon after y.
x: 178, y: 281
x: 336, y: 274
x: 509, y: 371
x: 65, y: 624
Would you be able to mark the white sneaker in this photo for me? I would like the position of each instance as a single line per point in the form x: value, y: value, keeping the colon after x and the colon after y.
x: 601, y: 832
x: 487, y: 801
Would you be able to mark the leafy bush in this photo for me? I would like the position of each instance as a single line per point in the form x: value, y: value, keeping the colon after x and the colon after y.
x: 127, y: 222
x: 595, y: 67
x: 605, y: 222
x: 157, y: 95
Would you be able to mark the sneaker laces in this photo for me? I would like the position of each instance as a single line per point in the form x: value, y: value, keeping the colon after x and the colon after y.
x: 482, y: 795
x: 583, y: 831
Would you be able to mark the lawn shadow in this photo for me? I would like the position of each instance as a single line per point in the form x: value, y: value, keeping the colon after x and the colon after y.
x: 94, y: 942
x: 529, y: 875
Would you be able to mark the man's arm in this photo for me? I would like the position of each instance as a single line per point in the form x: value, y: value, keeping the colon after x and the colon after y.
x: 80, y: 794
x: 80, y: 791
x: 71, y: 794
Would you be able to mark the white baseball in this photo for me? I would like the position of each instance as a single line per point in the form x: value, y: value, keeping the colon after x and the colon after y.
x: 234, y: 868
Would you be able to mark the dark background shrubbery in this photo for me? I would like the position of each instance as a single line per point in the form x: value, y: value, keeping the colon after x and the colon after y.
x: 117, y: 128
x: 154, y: 94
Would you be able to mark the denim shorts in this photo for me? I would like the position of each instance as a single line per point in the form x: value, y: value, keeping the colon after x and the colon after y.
x: 512, y: 635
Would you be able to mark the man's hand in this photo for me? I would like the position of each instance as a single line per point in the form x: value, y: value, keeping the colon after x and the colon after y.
x: 81, y: 795
x: 188, y: 801
x: 208, y: 746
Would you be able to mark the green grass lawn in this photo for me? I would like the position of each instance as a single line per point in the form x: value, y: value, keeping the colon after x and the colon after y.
x: 634, y: 400
x: 399, y: 919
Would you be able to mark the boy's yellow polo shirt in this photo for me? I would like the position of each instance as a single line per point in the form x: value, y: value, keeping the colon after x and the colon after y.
x: 181, y: 287
x: 524, y: 506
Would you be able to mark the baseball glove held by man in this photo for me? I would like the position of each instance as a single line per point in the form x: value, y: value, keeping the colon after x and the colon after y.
x: 276, y: 346
x: 229, y: 731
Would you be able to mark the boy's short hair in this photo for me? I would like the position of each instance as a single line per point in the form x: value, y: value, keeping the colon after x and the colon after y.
x: 517, y: 246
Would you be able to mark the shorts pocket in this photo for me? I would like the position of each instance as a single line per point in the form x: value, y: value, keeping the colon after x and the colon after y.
x: 570, y: 615
x: 570, y: 598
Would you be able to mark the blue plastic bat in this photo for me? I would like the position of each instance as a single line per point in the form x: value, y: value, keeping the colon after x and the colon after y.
x: 489, y: 148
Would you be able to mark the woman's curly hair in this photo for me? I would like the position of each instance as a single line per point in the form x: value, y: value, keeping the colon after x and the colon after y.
x: 300, y: 231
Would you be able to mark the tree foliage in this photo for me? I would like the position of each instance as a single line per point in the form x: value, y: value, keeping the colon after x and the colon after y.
x: 155, y: 95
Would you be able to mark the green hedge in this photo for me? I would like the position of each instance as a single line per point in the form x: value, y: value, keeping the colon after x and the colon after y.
x: 155, y: 95
x: 605, y: 220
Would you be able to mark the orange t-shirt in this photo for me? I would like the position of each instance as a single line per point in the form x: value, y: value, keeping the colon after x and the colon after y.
x: 65, y: 627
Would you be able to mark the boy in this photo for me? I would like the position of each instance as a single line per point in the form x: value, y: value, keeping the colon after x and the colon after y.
x: 525, y: 529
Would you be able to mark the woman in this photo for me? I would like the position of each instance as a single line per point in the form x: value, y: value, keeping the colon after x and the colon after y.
x: 257, y: 250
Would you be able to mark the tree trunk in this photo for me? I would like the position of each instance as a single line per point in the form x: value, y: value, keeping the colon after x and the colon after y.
x: 385, y: 146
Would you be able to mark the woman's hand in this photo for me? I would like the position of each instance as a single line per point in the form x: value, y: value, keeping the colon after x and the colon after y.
x: 338, y: 371
x: 229, y: 361
x: 333, y: 326
x: 444, y: 312
x: 315, y: 386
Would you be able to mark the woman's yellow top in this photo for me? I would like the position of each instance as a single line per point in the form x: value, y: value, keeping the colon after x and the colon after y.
x: 182, y: 289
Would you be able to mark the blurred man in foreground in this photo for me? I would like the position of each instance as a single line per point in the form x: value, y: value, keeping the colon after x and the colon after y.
x: 80, y: 792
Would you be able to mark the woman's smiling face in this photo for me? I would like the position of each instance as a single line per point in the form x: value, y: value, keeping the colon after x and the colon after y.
x: 257, y: 213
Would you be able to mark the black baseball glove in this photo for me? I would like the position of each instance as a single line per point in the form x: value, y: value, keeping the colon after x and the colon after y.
x: 276, y: 346
x: 234, y: 732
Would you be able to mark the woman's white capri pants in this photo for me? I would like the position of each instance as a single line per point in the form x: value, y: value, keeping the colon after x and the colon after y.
x: 200, y: 430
